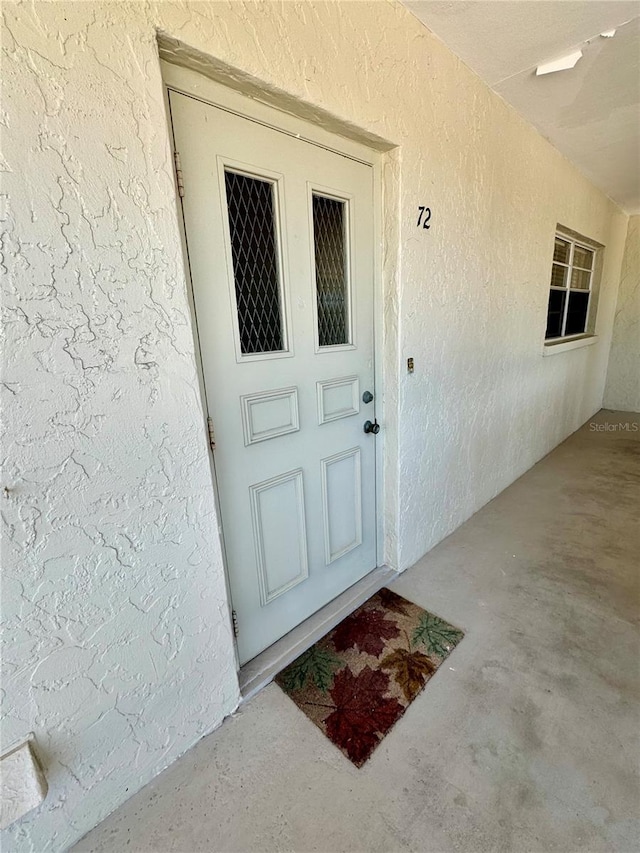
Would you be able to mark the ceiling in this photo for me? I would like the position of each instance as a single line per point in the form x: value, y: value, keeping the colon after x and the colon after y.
x: 591, y: 113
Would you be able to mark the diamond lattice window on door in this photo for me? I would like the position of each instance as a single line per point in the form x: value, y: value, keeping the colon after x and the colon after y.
x: 331, y: 270
x: 254, y: 250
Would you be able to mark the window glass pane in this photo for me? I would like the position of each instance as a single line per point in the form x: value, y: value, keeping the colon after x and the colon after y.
x: 555, y: 312
x: 561, y: 251
x: 558, y: 276
x: 329, y: 226
x: 582, y: 258
x: 577, y: 313
x: 580, y: 279
x: 252, y: 227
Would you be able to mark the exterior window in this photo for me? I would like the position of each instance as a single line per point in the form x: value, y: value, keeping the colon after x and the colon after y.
x: 571, y: 283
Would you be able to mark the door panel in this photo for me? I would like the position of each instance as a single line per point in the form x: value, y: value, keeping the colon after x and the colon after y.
x: 341, y: 504
x: 280, y: 534
x: 338, y: 398
x: 280, y: 242
x: 270, y: 414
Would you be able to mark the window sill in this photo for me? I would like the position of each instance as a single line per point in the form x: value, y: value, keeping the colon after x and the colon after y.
x: 554, y: 348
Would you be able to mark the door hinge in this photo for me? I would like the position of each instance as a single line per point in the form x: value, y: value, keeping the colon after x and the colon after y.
x: 179, y: 180
x: 212, y: 436
x: 234, y: 621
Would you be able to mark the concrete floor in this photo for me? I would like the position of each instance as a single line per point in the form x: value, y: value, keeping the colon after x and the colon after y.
x: 527, y: 739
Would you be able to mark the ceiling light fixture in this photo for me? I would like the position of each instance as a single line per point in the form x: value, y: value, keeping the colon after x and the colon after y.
x: 562, y: 64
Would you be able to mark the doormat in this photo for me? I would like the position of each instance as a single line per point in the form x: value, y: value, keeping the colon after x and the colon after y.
x: 357, y: 681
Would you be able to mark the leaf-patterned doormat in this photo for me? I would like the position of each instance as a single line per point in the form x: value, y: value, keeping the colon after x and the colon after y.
x: 357, y: 681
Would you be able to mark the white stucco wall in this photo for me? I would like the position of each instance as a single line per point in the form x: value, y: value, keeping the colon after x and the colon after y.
x: 622, y: 390
x: 118, y: 648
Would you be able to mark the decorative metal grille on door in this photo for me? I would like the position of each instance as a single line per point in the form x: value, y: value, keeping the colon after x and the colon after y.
x: 254, y: 250
x: 329, y: 227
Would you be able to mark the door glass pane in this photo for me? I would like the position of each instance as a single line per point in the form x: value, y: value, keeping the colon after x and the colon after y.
x: 555, y: 312
x: 580, y: 279
x: 252, y: 227
x: 577, y: 313
x: 558, y: 276
x: 582, y: 258
x: 561, y: 251
x: 329, y: 236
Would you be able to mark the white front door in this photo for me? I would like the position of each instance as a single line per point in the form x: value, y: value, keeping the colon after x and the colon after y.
x: 280, y: 245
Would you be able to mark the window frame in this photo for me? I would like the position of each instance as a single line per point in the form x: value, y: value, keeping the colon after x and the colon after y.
x: 570, y: 266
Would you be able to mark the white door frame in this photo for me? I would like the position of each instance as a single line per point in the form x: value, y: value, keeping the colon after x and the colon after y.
x: 194, y: 84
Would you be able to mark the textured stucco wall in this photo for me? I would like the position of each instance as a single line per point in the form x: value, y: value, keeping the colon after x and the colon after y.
x: 622, y: 390
x: 118, y: 650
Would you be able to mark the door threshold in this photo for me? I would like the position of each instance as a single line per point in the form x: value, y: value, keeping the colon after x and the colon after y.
x: 257, y: 673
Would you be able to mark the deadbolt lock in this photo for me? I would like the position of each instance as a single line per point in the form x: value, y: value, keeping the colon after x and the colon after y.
x: 367, y: 397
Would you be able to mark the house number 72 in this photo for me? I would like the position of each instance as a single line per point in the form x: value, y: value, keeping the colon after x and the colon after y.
x: 424, y: 217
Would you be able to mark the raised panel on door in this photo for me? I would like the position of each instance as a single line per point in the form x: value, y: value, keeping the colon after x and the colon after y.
x: 338, y: 398
x: 269, y: 414
x: 280, y: 536
x: 342, y: 503
x: 280, y: 240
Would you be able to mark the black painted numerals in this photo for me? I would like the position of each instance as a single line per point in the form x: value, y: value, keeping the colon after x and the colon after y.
x: 424, y: 217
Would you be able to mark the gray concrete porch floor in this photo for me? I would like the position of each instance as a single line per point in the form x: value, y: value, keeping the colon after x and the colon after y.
x: 527, y: 739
